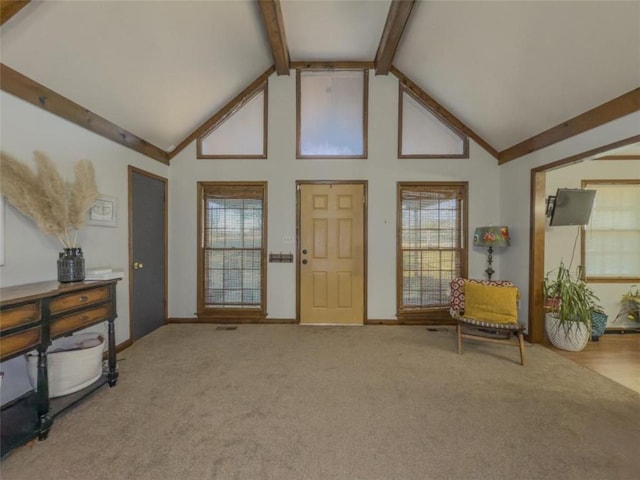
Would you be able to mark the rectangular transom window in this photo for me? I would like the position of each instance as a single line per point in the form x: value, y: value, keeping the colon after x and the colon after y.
x: 232, y: 254
x: 432, y: 248
x: 332, y: 113
x: 611, y: 240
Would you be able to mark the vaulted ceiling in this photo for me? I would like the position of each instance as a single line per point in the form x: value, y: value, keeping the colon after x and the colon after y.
x: 506, y: 70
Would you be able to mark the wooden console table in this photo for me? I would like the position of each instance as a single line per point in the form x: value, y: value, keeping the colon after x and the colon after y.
x: 33, y: 315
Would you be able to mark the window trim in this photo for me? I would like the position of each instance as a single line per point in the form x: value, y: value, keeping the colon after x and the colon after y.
x: 365, y: 113
x: 432, y: 315
x: 444, y: 121
x: 583, y: 231
x: 231, y: 315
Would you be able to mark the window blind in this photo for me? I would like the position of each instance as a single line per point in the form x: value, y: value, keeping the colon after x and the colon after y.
x: 612, y: 237
x: 431, y: 243
x: 233, y: 246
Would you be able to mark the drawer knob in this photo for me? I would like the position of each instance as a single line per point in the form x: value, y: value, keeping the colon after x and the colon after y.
x: 83, y: 298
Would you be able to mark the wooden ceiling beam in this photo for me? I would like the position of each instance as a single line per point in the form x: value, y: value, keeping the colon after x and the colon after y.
x: 397, y: 18
x: 225, y: 111
x: 442, y: 112
x: 619, y: 157
x: 586, y: 155
x: 611, y: 110
x: 15, y: 83
x: 274, y: 25
x: 339, y: 65
x: 8, y: 8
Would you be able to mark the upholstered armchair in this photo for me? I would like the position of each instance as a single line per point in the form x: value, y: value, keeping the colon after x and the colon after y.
x: 486, y: 310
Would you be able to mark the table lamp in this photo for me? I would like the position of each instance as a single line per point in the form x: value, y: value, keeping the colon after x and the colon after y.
x: 491, y: 237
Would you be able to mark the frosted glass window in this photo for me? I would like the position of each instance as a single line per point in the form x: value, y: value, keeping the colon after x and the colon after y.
x: 242, y: 134
x: 422, y: 134
x: 612, y: 237
x: 332, y: 120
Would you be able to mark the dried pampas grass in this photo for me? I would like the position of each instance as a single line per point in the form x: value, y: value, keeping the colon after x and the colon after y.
x: 83, y: 193
x: 53, y: 195
x: 56, y: 206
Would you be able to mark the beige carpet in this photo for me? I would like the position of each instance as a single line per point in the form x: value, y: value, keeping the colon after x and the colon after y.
x: 376, y: 402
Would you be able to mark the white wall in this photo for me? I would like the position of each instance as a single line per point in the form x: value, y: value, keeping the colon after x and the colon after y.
x: 559, y: 241
x: 281, y: 170
x: 497, y: 195
x: 515, y: 178
x: 30, y: 255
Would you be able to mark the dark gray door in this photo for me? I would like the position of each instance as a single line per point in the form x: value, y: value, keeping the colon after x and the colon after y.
x: 148, y: 254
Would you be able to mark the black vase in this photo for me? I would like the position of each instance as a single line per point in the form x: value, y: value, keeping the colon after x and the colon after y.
x: 71, y: 265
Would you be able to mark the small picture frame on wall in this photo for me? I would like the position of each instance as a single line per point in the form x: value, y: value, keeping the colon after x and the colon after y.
x: 104, y: 212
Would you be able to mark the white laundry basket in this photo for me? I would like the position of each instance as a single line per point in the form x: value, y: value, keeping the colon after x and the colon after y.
x: 73, y: 363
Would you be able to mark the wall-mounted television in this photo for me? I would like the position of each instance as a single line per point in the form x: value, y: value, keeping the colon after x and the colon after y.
x: 570, y: 206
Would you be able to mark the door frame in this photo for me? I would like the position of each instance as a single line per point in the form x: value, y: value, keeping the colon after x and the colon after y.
x: 537, y: 228
x: 365, y: 238
x: 130, y: 171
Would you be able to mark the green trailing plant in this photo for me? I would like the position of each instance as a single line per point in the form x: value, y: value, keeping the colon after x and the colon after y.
x: 630, y: 304
x: 56, y: 206
x: 569, y: 298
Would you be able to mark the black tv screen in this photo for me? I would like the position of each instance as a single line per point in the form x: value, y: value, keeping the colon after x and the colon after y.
x: 572, y: 207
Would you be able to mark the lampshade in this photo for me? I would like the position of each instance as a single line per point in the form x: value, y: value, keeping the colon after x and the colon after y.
x: 491, y: 236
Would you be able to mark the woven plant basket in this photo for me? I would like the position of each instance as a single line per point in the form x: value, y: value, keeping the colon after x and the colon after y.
x: 572, y: 339
x: 598, y: 325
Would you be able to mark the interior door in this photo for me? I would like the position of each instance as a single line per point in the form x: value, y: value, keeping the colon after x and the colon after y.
x: 148, y: 252
x: 332, y: 253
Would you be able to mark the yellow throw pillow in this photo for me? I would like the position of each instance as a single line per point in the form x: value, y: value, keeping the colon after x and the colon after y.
x: 490, y: 303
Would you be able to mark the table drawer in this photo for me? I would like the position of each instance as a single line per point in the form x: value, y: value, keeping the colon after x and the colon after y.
x: 22, y: 315
x: 78, y: 299
x: 19, y: 342
x: 77, y: 321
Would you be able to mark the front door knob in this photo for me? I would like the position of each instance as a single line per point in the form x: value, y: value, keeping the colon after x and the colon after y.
x: 137, y: 265
x: 304, y: 261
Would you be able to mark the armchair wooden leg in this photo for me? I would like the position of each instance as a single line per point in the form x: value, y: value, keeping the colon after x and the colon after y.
x: 459, y: 334
x: 521, y: 341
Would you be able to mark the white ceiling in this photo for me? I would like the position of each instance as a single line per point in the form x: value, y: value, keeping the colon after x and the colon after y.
x: 157, y: 69
x: 507, y: 69
x: 511, y: 70
x: 330, y: 30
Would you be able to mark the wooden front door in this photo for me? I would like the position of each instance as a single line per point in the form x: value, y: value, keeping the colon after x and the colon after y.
x: 332, y: 253
x: 148, y: 252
